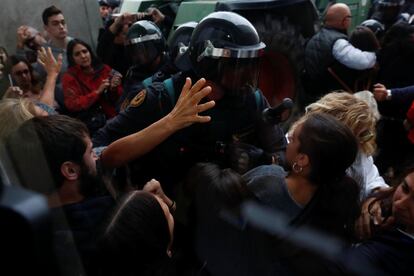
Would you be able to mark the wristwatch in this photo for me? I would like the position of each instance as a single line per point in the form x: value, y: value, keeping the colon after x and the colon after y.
x: 389, y: 94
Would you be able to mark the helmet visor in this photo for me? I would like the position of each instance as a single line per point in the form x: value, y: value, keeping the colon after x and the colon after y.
x: 141, y: 54
x: 238, y: 76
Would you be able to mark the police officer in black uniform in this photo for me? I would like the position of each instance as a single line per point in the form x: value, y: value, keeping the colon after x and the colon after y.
x: 225, y: 49
x: 146, y: 49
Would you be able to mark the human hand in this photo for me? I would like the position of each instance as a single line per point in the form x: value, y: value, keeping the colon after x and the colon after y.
x: 120, y: 21
x: 156, y: 14
x: 154, y: 187
x: 187, y: 108
x: 368, y: 218
x: 141, y: 16
x: 115, y: 81
x: 371, y: 218
x: 380, y: 92
x: 23, y: 35
x: 407, y: 125
x: 104, y: 85
x: 48, y: 61
x: 13, y: 92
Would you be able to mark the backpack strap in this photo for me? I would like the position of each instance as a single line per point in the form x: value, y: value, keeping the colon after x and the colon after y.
x: 147, y: 82
x: 169, y: 86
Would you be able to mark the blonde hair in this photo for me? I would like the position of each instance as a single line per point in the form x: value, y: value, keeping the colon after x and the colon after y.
x: 353, y: 112
x: 14, y: 112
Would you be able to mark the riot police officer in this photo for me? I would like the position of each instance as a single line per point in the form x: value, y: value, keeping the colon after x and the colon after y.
x: 388, y: 12
x: 375, y: 26
x: 225, y: 49
x: 146, y: 49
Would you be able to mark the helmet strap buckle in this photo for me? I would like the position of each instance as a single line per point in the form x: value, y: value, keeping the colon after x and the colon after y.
x: 208, y: 50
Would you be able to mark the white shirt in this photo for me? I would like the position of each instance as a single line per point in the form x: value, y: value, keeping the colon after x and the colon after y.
x: 352, y: 57
x: 366, y: 174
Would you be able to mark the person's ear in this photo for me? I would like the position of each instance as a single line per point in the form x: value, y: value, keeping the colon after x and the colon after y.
x: 302, y: 160
x: 70, y: 170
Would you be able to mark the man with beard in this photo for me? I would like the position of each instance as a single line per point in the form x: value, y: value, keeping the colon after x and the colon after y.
x: 329, y: 46
x: 62, y: 166
x: 53, y: 155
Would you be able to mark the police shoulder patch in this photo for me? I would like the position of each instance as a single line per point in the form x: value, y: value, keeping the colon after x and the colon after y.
x: 138, y: 99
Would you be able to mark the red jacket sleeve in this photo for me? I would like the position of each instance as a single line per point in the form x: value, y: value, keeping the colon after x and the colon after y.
x: 410, y: 113
x: 410, y: 118
x: 74, y: 99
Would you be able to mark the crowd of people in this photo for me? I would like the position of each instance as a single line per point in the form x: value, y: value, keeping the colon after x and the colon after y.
x: 147, y: 152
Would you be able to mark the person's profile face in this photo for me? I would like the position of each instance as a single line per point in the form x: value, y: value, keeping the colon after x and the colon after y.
x: 3, y: 56
x: 89, y: 157
x: 403, y: 202
x: 292, y: 149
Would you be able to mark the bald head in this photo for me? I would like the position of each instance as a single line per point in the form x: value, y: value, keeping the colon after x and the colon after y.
x: 338, y: 16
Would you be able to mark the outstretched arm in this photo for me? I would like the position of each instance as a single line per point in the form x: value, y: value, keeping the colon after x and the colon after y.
x: 52, y: 67
x: 183, y: 115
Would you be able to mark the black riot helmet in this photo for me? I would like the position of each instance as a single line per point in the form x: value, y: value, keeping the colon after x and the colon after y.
x: 180, y: 40
x: 375, y: 26
x: 389, y: 10
x: 225, y: 49
x: 144, y: 43
x: 391, y: 3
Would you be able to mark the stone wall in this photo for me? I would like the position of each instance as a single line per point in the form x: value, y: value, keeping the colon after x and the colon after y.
x: 82, y: 17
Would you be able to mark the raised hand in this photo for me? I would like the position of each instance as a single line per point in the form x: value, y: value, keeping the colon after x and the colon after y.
x: 156, y: 14
x: 104, y: 85
x: 13, y: 92
x: 23, y: 35
x: 48, y: 61
x: 115, y: 81
x: 187, y: 109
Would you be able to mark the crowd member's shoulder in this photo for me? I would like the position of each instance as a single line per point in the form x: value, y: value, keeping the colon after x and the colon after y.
x: 265, y: 171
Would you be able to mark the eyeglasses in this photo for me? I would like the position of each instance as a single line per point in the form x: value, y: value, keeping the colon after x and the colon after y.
x: 22, y: 72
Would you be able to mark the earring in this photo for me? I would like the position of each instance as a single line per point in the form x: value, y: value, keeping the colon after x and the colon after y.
x: 296, y: 168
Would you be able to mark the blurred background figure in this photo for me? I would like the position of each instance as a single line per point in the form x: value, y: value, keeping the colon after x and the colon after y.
x: 13, y: 112
x: 29, y: 40
x: 389, y: 12
x: 24, y: 82
x: 105, y: 10
x: 4, y: 82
